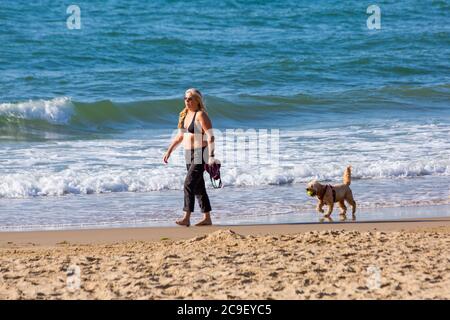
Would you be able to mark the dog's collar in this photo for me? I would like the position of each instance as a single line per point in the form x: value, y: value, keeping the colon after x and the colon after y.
x: 325, y: 191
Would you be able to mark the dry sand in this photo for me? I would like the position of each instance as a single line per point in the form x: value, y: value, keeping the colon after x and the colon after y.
x: 389, y: 260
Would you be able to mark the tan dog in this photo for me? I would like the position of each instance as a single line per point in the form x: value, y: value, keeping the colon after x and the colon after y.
x: 328, y: 194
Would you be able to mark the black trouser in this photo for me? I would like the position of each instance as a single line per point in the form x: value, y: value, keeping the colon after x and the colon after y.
x: 194, y: 184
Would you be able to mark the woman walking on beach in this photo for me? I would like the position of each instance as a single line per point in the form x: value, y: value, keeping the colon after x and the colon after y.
x: 198, y: 141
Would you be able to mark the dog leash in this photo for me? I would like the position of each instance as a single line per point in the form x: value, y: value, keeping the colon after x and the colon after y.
x: 213, y: 182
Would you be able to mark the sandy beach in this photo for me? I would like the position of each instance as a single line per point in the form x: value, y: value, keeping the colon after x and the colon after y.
x: 357, y: 260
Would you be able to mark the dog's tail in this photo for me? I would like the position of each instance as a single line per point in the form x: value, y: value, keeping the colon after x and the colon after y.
x: 348, y: 175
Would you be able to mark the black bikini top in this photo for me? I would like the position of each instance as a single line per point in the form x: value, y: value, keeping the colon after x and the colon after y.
x: 191, y: 127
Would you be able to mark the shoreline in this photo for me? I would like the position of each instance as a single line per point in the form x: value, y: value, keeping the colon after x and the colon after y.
x: 115, y: 235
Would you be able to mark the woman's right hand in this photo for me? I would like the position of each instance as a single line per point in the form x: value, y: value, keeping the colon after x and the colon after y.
x: 166, y: 157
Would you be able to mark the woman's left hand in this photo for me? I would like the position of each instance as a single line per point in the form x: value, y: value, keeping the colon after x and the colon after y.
x: 166, y: 157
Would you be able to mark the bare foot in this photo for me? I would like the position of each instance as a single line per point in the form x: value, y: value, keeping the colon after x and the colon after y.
x: 206, y: 221
x: 183, y: 222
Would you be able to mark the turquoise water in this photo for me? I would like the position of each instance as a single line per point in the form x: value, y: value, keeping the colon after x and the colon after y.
x: 87, y: 114
x: 143, y: 50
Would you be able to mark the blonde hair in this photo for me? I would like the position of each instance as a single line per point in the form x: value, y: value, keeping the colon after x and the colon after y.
x: 201, y: 105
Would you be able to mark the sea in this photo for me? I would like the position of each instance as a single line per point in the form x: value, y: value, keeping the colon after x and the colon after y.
x: 90, y: 93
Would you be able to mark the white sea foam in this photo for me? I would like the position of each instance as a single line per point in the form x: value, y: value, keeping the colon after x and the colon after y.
x: 81, y: 181
x: 56, y: 111
x: 135, y: 164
